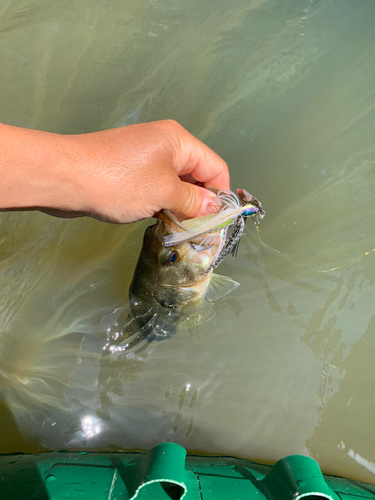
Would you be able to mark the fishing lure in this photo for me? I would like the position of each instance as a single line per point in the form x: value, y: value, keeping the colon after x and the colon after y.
x: 231, y: 244
x: 248, y: 198
x: 228, y: 215
x: 235, y: 210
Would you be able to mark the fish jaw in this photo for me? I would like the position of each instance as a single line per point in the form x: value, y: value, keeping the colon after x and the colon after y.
x: 199, y: 289
x: 189, y: 293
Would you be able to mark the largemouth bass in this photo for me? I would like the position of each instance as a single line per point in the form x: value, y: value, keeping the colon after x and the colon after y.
x: 177, y: 275
x: 174, y: 280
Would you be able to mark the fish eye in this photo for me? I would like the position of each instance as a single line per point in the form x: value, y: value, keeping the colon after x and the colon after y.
x: 173, y: 258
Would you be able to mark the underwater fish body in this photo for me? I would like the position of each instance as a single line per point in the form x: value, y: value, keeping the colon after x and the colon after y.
x: 174, y: 283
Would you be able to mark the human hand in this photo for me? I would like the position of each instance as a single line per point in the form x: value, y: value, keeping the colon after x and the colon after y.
x: 130, y: 173
x: 119, y: 175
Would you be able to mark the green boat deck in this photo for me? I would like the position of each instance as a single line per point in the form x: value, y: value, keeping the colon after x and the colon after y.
x: 167, y: 473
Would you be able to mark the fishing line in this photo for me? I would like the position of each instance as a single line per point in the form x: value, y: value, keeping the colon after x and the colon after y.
x: 296, y: 263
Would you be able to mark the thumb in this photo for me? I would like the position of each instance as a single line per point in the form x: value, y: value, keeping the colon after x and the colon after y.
x: 192, y: 201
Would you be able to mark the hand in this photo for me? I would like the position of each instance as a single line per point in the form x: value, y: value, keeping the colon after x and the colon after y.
x: 119, y: 175
x: 130, y: 173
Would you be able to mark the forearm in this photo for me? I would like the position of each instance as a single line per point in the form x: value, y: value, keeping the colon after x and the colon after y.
x: 34, y: 168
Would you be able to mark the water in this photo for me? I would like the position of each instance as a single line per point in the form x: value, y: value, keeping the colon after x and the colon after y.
x: 285, y: 92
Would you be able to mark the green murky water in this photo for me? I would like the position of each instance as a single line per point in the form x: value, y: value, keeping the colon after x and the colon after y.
x: 285, y: 92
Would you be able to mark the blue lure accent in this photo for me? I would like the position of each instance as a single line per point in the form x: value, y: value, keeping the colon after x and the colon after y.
x: 250, y: 212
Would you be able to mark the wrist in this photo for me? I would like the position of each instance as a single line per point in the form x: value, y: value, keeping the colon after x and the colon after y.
x: 36, y: 170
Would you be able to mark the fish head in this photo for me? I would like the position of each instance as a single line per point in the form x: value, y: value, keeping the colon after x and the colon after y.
x: 176, y: 275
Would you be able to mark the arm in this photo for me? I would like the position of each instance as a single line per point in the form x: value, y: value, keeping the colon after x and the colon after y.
x: 119, y: 175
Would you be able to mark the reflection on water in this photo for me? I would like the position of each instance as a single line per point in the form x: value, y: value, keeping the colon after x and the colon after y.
x: 285, y: 92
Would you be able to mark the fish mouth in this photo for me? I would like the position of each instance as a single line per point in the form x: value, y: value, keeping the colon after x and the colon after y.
x: 177, y: 226
x: 199, y: 247
x: 171, y: 221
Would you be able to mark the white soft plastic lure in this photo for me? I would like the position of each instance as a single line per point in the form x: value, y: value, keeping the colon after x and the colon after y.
x: 230, y: 211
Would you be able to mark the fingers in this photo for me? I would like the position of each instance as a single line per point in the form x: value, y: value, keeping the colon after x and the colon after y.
x: 192, y: 201
x: 205, y: 166
x: 191, y: 157
x: 190, y: 178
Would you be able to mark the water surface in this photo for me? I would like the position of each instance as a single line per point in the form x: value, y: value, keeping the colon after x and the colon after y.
x: 285, y: 92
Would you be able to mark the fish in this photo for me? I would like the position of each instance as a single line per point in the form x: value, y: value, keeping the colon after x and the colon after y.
x: 174, y: 279
x: 175, y: 276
